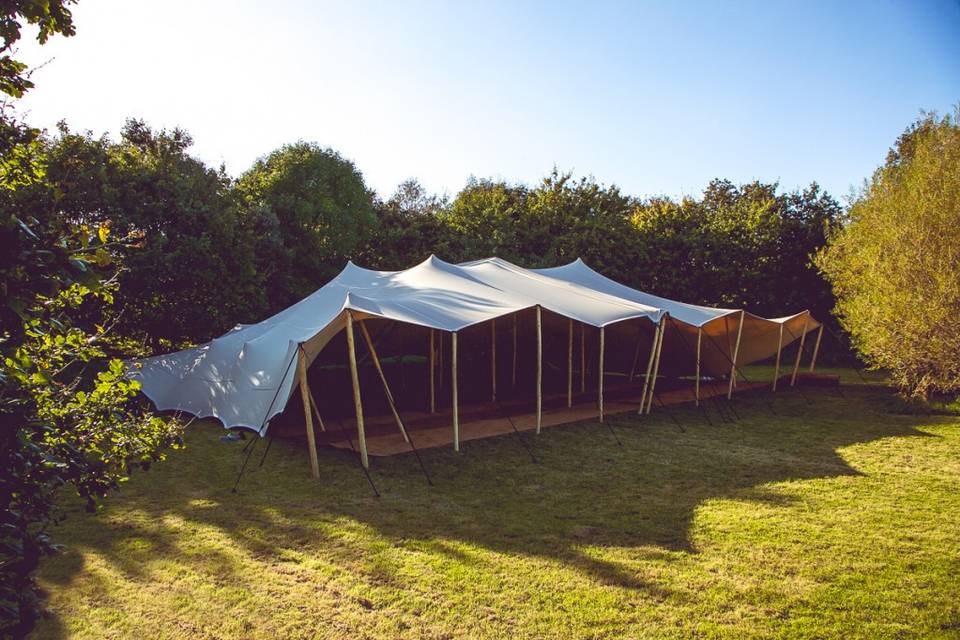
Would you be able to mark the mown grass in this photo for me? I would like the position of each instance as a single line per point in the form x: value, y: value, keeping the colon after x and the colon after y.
x: 834, y: 518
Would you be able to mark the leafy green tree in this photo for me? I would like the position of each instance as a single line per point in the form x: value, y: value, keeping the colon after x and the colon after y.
x: 50, y: 16
x: 191, y: 272
x: 408, y: 229
x: 895, y: 263
x: 320, y: 213
x: 70, y: 418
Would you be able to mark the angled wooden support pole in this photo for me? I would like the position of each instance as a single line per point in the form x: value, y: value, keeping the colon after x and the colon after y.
x: 636, y: 353
x: 776, y: 368
x: 796, y: 364
x: 316, y: 410
x: 569, y: 363
x: 697, y: 381
x: 307, y: 413
x: 383, y: 380
x: 539, y: 369
x: 656, y: 362
x: 600, y: 376
x: 816, y: 349
x: 453, y: 383
x: 355, y: 379
x: 646, y: 377
x: 733, y: 362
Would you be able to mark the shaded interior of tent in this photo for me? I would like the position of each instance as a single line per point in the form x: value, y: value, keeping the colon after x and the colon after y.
x: 496, y: 377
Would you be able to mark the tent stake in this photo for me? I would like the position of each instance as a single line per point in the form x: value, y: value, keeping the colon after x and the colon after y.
x: 433, y: 366
x: 355, y: 379
x: 600, y: 376
x: 733, y: 362
x: 493, y: 360
x: 653, y: 352
x: 307, y: 413
x: 816, y: 349
x: 656, y: 363
x: 776, y: 368
x: 453, y: 382
x: 539, y: 369
x: 569, y: 363
x: 796, y: 364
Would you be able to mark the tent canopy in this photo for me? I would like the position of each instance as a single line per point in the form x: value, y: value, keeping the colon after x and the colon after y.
x: 247, y: 376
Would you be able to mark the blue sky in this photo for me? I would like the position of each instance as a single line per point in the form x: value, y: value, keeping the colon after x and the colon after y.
x: 656, y: 97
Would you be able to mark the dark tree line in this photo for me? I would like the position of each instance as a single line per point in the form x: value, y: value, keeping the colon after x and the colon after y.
x: 212, y: 251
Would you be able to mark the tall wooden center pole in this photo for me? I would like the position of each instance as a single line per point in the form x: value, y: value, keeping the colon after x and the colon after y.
x: 569, y: 363
x: 308, y: 414
x: 453, y: 382
x: 733, y: 362
x: 493, y: 360
x: 355, y: 379
x: 513, y: 379
x: 583, y: 358
x: 600, y: 376
x: 697, y: 381
x: 539, y: 369
x: 656, y: 363
x: 433, y: 367
x: 646, y: 377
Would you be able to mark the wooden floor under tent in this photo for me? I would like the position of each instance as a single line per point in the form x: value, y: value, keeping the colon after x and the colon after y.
x: 485, y: 420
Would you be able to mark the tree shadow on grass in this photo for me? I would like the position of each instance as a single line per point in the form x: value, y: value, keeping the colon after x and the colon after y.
x: 586, y: 492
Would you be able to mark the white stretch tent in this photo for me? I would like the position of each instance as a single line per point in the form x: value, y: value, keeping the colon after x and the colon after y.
x: 247, y: 376
x: 761, y: 337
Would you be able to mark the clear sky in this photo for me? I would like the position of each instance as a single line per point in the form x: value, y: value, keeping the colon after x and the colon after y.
x: 656, y: 97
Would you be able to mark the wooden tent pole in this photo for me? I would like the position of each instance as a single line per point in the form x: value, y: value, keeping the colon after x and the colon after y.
x: 355, y: 379
x: 600, y: 376
x: 569, y: 363
x: 305, y: 394
x: 776, y: 369
x: 656, y: 363
x: 583, y: 358
x: 796, y: 364
x: 453, y: 382
x: 316, y: 410
x: 816, y: 349
x: 383, y: 379
x: 513, y: 380
x: 697, y: 381
x: 646, y: 377
x: 433, y: 366
x: 539, y: 369
x: 493, y: 360
x: 733, y: 363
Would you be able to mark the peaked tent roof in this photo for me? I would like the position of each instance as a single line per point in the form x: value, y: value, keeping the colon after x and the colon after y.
x: 245, y: 377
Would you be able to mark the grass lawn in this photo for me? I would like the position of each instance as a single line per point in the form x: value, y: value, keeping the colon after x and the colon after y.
x: 838, y: 518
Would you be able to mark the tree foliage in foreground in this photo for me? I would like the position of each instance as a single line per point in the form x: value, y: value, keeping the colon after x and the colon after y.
x: 895, y: 265
x: 70, y: 418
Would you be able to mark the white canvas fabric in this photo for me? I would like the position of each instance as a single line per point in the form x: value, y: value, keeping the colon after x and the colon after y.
x: 760, y: 339
x: 246, y: 376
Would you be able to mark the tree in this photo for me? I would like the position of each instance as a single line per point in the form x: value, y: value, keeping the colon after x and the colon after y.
x: 408, y: 229
x: 191, y: 273
x: 69, y: 417
x: 895, y: 263
x: 322, y: 211
x: 50, y: 16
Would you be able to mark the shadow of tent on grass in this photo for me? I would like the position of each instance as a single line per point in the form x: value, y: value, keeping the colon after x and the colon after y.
x: 586, y: 492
